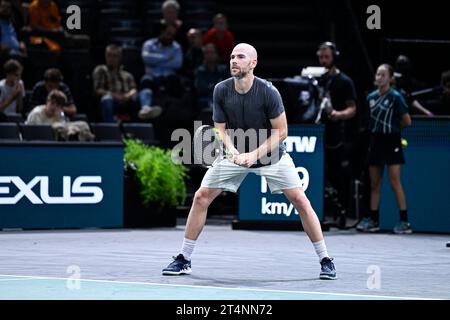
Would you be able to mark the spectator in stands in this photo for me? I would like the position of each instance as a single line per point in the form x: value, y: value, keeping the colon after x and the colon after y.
x: 170, y: 15
x: 340, y: 126
x: 53, y: 79
x: 10, y: 46
x: 406, y: 84
x: 163, y: 58
x: 47, y: 30
x: 12, y: 90
x: 193, y: 58
x: 51, y: 111
x: 117, y: 89
x: 45, y: 23
x: 170, y: 10
x: 18, y: 13
x: 445, y: 97
x: 208, y: 75
x: 440, y: 105
x: 221, y: 37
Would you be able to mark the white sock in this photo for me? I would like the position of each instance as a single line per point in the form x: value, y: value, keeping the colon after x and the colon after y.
x: 187, y: 248
x: 321, y: 249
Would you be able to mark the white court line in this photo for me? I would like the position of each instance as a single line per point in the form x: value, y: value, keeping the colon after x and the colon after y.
x: 21, y: 279
x: 223, y: 288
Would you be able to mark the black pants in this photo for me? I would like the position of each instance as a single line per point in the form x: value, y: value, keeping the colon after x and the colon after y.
x: 338, y: 172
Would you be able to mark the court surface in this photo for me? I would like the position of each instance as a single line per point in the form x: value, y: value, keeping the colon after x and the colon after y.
x: 227, y: 265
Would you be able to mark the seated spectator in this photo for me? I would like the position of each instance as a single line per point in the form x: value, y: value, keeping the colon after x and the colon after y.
x: 51, y: 111
x: 46, y: 28
x: 193, y: 58
x: 445, y: 96
x: 45, y: 23
x: 170, y: 10
x: 12, y: 90
x: 18, y: 13
x: 406, y: 84
x: 117, y: 89
x: 208, y: 75
x: 221, y: 37
x: 440, y: 105
x: 163, y: 58
x: 53, y: 79
x: 10, y: 46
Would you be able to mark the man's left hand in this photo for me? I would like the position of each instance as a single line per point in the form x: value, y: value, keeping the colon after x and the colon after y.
x: 246, y: 159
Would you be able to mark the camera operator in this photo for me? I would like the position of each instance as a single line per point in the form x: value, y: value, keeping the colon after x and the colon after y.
x: 338, y: 110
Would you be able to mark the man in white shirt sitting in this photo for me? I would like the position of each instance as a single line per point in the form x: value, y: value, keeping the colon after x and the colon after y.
x: 51, y: 112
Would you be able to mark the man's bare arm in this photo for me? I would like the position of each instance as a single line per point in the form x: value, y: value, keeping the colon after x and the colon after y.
x: 279, y: 133
x: 416, y: 104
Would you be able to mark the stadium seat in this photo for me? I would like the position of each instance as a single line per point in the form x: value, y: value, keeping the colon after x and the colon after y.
x: 9, y: 131
x: 31, y: 132
x: 15, y: 117
x: 80, y: 117
x: 106, y: 131
x: 142, y: 131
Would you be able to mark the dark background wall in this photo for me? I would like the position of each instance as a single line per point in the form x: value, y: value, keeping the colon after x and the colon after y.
x: 286, y: 34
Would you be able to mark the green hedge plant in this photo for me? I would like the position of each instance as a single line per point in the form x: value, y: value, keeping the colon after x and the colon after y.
x: 161, y: 180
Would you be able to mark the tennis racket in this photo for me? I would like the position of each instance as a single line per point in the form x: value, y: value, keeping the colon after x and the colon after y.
x: 209, y: 146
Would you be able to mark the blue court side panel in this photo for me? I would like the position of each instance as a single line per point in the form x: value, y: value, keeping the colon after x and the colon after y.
x: 425, y: 178
x: 61, y: 187
x: 305, y: 146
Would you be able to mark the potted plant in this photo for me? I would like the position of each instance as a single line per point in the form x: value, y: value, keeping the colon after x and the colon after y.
x: 154, y: 186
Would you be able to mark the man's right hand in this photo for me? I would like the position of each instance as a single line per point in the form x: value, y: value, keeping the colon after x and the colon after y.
x: 246, y: 159
x: 335, y: 115
x: 17, y: 90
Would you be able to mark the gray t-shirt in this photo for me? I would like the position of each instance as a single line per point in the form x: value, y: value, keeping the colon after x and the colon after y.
x: 252, y: 110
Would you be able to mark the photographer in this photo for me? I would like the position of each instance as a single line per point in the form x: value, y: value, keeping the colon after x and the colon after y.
x: 338, y: 117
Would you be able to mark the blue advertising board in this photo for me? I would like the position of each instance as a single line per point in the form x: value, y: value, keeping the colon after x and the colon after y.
x: 305, y: 146
x: 425, y: 178
x: 57, y: 186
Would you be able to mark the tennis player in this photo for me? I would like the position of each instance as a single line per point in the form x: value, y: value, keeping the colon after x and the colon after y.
x: 247, y: 102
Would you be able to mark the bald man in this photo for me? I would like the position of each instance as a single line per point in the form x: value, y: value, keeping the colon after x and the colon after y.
x: 246, y: 102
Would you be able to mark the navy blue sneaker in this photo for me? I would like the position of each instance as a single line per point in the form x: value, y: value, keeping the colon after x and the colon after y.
x: 368, y: 225
x: 178, y: 266
x: 327, y: 271
x: 403, y: 227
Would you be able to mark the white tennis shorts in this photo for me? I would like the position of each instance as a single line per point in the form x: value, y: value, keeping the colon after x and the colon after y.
x: 226, y: 175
